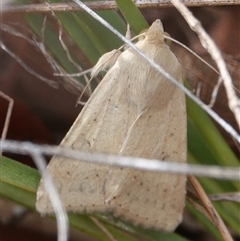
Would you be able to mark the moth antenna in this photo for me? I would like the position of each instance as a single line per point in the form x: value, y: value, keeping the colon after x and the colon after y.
x: 219, y: 82
x: 192, y: 52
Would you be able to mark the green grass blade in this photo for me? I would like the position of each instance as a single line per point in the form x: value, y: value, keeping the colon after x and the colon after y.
x: 18, y: 182
x: 132, y: 15
x: 208, y: 131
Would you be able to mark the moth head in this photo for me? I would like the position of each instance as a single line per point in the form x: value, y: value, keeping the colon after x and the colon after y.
x: 155, y: 33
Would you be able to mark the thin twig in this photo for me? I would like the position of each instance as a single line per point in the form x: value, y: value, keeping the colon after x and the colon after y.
x: 217, y: 220
x: 199, y: 207
x: 107, y: 5
x: 27, y: 68
x: 215, y: 92
x: 11, y: 29
x: 69, y: 83
x: 68, y: 54
x: 230, y: 173
x: 8, y: 116
x: 229, y: 196
x: 84, y: 72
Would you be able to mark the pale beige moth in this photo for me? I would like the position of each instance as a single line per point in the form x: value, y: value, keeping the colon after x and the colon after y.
x: 134, y: 111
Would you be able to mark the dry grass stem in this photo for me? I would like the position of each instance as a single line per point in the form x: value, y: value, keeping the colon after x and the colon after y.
x: 107, y: 5
x: 216, y: 219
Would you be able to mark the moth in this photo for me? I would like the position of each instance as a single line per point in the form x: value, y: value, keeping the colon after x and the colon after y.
x: 134, y: 111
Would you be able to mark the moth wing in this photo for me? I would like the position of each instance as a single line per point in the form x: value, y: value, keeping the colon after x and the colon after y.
x: 81, y: 184
x: 159, y: 133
